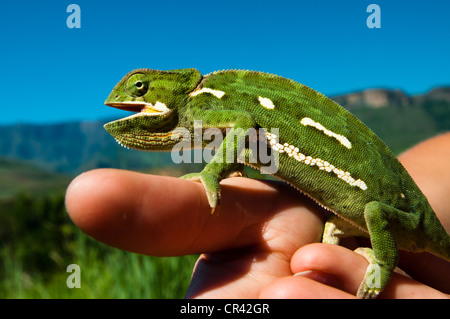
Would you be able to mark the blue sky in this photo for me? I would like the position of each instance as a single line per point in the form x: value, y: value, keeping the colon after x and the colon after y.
x: 50, y: 73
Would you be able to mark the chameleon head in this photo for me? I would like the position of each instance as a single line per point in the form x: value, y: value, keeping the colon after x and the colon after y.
x: 154, y: 96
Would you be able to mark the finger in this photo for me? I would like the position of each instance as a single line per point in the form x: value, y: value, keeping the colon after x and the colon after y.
x: 322, y: 261
x: 163, y: 216
x: 298, y: 287
x: 426, y: 268
x: 345, y: 269
x: 131, y: 211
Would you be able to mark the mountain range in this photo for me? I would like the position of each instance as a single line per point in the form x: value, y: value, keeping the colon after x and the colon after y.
x: 70, y: 148
x: 377, y: 98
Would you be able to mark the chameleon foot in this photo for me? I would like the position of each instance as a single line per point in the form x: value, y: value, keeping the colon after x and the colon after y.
x: 211, y: 185
x: 375, y: 277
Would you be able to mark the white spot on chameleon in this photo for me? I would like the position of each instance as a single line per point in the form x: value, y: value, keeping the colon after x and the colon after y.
x: 294, y: 152
x: 216, y: 93
x: 159, y: 108
x: 342, y: 139
x: 267, y: 103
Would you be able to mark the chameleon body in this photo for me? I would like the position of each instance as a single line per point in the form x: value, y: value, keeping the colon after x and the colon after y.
x: 322, y: 150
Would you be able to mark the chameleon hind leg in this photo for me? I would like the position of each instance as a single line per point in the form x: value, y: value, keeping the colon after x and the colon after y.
x: 388, y: 228
x: 337, y: 228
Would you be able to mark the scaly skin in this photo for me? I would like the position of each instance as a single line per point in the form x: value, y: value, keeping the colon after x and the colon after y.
x: 321, y: 149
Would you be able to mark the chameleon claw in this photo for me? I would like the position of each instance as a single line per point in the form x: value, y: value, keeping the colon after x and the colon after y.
x: 365, y: 292
x: 371, y: 285
x: 211, y: 186
x: 236, y: 174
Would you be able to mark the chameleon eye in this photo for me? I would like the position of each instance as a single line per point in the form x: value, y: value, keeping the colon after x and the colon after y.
x: 137, y: 84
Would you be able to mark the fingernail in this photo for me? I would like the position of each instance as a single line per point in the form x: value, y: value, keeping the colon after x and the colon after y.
x: 319, y: 276
x: 304, y: 273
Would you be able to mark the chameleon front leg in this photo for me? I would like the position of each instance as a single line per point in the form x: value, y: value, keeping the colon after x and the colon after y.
x: 224, y: 163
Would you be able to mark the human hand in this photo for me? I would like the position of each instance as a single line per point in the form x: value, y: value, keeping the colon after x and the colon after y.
x: 334, y: 267
x: 251, y: 246
x: 246, y: 244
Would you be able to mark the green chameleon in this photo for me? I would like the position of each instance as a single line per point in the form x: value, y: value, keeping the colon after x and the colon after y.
x: 320, y: 148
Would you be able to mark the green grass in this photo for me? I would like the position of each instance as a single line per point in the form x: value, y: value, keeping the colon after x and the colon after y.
x: 38, y: 242
x: 105, y: 273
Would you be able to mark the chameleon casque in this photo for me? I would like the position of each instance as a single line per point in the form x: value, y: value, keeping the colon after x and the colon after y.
x: 322, y: 149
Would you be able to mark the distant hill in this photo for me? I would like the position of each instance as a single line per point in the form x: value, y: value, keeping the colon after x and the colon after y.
x: 17, y: 177
x: 378, y: 98
x: 398, y: 119
x: 70, y: 148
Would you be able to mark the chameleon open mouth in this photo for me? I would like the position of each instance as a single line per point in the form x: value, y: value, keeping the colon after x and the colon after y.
x: 132, y: 107
x: 143, y: 108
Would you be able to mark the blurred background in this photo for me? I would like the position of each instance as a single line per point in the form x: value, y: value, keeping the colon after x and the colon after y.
x: 54, y: 80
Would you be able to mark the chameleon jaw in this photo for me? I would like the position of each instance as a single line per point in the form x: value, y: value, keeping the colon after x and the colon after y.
x: 142, y: 108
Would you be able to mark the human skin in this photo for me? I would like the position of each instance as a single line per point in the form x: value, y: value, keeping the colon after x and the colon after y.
x: 262, y: 234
